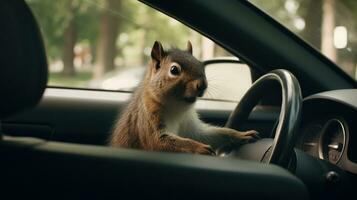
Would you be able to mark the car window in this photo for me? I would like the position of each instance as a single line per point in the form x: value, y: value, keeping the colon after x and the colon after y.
x: 105, y: 44
x: 330, y: 26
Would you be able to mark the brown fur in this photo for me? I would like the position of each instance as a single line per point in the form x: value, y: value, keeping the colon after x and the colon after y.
x: 142, y: 124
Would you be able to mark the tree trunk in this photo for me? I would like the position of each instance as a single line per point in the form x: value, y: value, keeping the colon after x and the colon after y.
x: 220, y: 52
x: 70, y: 38
x: 106, y: 47
x: 207, y: 47
x: 328, y: 26
x: 313, y: 20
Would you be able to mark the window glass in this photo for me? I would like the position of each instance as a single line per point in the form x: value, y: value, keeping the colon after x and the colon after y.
x: 328, y: 25
x: 106, y: 44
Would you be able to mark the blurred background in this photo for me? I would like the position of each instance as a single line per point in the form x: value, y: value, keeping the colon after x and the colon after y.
x: 105, y: 44
x: 328, y: 25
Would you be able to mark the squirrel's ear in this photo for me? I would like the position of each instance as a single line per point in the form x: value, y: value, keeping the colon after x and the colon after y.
x: 189, y: 47
x: 157, y: 51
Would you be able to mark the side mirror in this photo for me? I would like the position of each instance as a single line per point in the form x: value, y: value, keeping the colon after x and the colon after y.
x: 228, y: 78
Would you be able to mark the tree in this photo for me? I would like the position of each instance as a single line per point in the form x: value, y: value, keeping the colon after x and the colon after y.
x: 53, y: 19
x: 108, y: 32
x: 69, y: 40
x: 313, y: 20
x: 328, y: 26
x: 63, y: 24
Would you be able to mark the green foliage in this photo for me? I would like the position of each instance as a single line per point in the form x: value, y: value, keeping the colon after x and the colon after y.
x: 140, y: 25
x: 135, y: 19
x: 145, y: 25
x: 87, y: 22
x: 80, y: 80
x: 54, y: 16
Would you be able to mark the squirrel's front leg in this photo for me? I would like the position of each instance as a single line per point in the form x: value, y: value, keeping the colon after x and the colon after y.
x: 173, y: 143
x: 237, y: 136
x: 232, y: 137
x: 220, y: 138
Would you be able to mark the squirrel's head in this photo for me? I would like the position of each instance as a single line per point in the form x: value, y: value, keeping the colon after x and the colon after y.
x: 176, y: 74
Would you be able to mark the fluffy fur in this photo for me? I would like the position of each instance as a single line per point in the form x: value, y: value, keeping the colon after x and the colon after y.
x: 161, y: 115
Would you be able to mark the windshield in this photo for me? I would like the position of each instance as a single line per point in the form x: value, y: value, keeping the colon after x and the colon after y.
x: 328, y: 25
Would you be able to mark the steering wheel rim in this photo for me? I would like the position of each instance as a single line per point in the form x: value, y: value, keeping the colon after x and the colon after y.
x: 281, y: 150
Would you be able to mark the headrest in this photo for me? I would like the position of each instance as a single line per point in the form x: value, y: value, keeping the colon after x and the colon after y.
x: 23, y: 65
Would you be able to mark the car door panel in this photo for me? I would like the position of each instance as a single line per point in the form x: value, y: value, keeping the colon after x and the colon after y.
x: 87, y: 116
x: 27, y: 129
x: 77, y: 171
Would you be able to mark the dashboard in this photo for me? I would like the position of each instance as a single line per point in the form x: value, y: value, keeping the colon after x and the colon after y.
x: 329, y: 128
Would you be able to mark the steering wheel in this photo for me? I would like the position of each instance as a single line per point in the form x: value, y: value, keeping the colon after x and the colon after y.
x: 278, y: 150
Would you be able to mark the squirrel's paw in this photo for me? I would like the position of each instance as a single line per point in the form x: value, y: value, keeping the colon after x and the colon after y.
x: 237, y: 138
x: 247, y: 136
x: 200, y: 148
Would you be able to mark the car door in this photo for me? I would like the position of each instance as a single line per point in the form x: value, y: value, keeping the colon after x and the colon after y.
x: 81, y: 104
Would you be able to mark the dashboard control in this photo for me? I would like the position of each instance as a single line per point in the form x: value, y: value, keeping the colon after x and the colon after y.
x: 311, y: 138
x: 332, y: 177
x: 332, y: 141
x: 329, y: 128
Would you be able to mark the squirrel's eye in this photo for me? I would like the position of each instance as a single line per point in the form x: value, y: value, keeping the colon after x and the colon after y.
x: 175, y: 70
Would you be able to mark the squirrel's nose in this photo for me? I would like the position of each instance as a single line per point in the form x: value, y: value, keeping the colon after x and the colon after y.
x: 201, y: 87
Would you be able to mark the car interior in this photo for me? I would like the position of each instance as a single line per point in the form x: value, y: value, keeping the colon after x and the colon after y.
x: 53, y: 140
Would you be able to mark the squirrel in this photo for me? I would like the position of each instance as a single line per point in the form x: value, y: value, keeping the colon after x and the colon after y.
x: 161, y: 114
